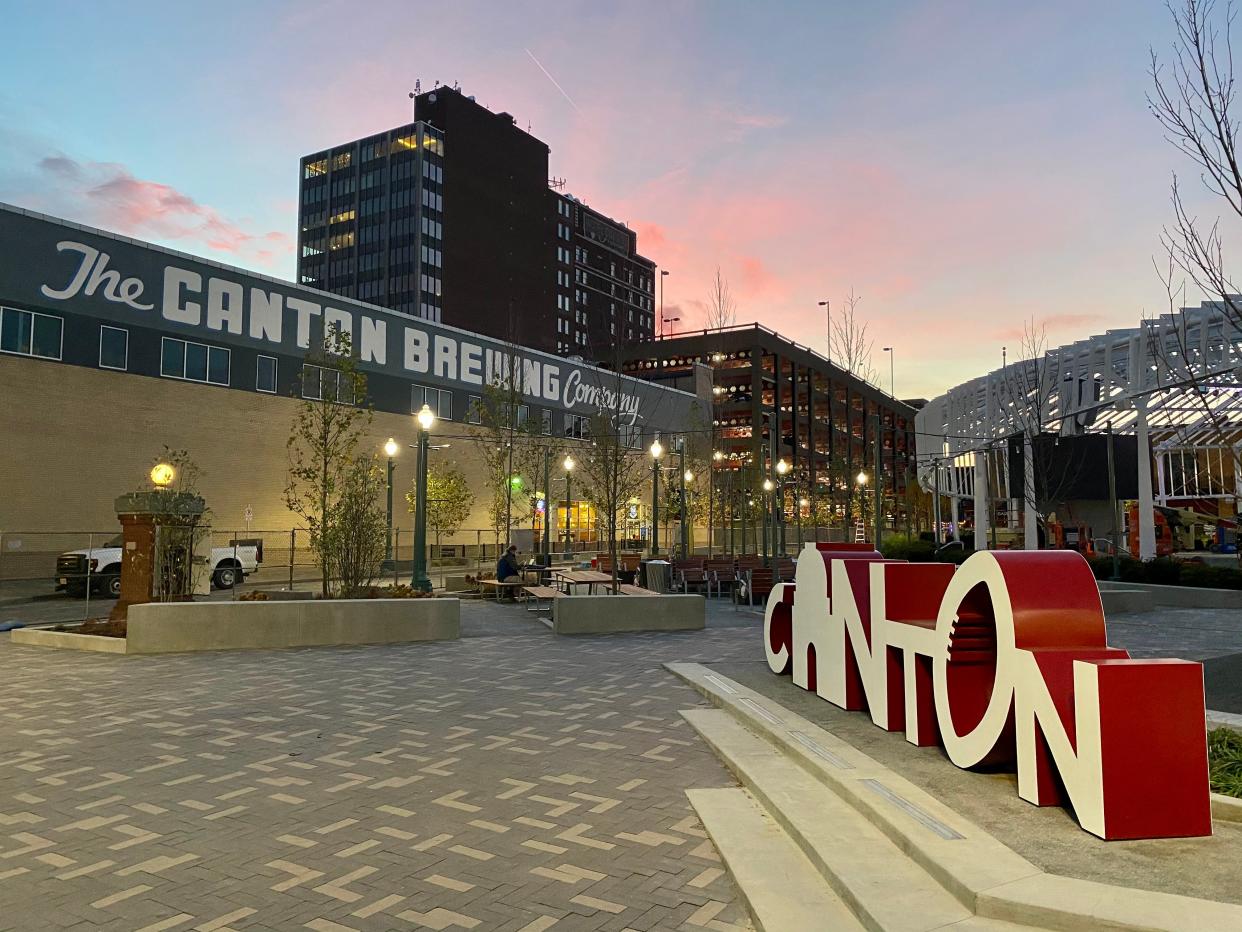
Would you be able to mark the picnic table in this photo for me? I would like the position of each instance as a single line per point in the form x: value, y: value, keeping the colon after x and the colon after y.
x: 588, y: 578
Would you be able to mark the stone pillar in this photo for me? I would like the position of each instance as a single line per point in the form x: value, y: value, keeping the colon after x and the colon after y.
x: 981, y: 499
x: 955, y: 517
x: 141, y: 514
x: 137, y: 562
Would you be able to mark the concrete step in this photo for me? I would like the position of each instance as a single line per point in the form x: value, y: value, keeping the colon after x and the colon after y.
x: 963, y: 858
x: 883, y: 888
x: 780, y: 887
x: 768, y: 746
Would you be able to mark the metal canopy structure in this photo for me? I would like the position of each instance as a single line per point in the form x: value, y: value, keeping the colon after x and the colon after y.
x: 1175, y: 382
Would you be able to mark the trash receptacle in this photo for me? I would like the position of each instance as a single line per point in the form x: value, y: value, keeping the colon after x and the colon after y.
x: 657, y: 575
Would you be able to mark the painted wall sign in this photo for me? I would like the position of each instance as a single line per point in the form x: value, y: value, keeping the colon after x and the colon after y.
x: 52, y: 265
x: 1004, y: 660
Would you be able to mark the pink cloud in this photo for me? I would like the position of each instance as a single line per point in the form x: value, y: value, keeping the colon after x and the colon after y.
x: 112, y: 197
x: 1054, y: 323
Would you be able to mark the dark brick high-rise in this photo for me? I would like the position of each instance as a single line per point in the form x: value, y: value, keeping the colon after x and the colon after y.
x: 451, y: 218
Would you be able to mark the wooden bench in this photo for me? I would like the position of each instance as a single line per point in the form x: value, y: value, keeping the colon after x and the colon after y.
x: 500, y: 586
x: 539, y: 594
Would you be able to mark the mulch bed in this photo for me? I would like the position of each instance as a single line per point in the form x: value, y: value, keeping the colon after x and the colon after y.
x: 100, y: 627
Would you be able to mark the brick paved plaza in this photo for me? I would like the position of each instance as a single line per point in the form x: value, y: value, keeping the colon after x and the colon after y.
x: 511, y: 780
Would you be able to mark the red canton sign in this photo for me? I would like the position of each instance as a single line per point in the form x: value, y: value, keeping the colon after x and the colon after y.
x: 1004, y: 660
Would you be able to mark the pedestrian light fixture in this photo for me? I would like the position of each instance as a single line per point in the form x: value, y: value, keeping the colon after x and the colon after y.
x: 391, y: 448
x: 569, y: 464
x: 781, y: 467
x: 767, y: 485
x: 656, y: 450
x: 861, y: 478
x: 426, y: 417
x: 689, y: 476
x: 162, y: 475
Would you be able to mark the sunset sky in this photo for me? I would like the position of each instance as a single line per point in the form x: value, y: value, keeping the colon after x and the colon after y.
x: 963, y: 166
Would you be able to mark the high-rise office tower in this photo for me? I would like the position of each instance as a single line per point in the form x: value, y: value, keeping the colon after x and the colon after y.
x: 452, y: 218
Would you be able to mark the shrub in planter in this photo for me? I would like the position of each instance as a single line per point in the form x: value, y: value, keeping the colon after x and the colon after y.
x: 954, y: 555
x: 254, y: 595
x: 1164, y: 571
x: 1225, y: 761
x: 1210, y: 577
x: 901, y: 548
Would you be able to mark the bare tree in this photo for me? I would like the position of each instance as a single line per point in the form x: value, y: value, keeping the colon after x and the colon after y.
x: 1193, y: 98
x: 721, y: 305
x: 1030, y: 393
x: 498, y: 413
x: 614, y: 465
x: 851, y: 346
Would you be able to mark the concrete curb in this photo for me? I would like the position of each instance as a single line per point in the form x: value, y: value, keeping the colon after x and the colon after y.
x: 36, y: 637
x: 1226, y: 808
x: 986, y: 876
x: 1176, y: 596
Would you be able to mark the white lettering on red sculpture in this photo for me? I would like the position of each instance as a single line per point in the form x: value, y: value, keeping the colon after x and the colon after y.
x: 1004, y: 660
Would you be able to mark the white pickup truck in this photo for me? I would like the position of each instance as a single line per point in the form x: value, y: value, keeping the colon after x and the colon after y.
x: 102, y: 566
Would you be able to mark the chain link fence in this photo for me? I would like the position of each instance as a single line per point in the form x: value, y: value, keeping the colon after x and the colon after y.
x: 82, y: 568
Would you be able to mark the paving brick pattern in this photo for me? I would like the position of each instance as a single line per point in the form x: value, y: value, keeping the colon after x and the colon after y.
x: 514, y: 782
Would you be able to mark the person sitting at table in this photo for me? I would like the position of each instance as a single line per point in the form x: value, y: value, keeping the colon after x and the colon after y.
x: 507, y: 569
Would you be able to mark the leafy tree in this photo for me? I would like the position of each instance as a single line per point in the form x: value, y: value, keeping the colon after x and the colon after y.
x: 355, y: 535
x: 327, y: 430
x: 449, y: 499
x: 498, y: 415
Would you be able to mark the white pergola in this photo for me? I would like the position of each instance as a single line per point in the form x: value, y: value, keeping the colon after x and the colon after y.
x: 1174, y: 382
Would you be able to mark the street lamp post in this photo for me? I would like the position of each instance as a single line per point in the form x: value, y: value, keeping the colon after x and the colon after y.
x: 391, y: 449
x: 569, y: 504
x: 879, y: 483
x: 782, y: 469
x: 681, y: 465
x: 802, y: 503
x: 419, y: 578
x: 547, y: 506
x: 656, y: 451
x: 687, y: 529
x: 861, y: 480
x: 717, y: 456
x: 769, y: 515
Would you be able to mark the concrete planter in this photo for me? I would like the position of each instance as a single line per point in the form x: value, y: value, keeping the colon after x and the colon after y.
x: 1178, y: 596
x: 161, y: 628
x: 614, y: 614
